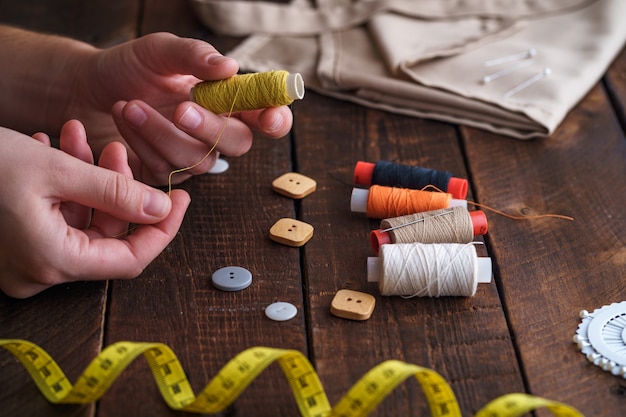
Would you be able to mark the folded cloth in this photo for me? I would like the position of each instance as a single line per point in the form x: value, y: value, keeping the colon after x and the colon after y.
x: 428, y: 58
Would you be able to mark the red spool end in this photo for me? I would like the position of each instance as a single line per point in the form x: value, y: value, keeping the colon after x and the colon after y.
x: 363, y: 172
x: 378, y: 238
x: 479, y: 220
x: 458, y: 188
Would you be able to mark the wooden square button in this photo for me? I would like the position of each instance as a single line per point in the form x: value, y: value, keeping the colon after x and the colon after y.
x: 294, y: 185
x: 353, y: 305
x: 291, y: 232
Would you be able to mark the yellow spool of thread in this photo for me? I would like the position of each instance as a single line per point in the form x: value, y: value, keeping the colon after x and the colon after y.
x: 249, y: 91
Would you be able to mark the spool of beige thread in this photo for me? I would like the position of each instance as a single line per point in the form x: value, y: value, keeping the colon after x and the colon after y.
x: 249, y: 91
x: 428, y: 270
x: 449, y: 225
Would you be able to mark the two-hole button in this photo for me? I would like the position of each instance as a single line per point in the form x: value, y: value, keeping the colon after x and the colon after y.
x: 232, y: 278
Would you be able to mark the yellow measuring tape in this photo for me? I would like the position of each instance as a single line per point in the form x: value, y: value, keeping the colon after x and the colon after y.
x: 240, y: 371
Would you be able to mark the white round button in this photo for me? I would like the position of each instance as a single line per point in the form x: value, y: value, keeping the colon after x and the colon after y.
x: 219, y: 167
x: 232, y: 278
x: 281, y: 311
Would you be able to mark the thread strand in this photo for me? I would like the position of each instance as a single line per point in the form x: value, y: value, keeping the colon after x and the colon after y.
x: 510, y: 216
x: 210, y: 151
x: 513, y: 217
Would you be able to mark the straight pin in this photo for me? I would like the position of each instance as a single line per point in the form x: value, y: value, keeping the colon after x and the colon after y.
x: 499, y: 74
x: 416, y: 221
x: 528, y: 82
x: 529, y: 53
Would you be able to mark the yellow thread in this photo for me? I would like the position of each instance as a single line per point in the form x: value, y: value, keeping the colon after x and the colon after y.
x: 269, y: 89
x: 240, y: 371
x: 179, y: 170
x: 217, y: 140
x: 265, y: 89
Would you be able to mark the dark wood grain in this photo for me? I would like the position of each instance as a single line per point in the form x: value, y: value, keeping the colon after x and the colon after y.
x: 66, y: 320
x: 101, y: 23
x: 615, y: 80
x: 515, y: 335
x: 550, y: 269
x: 464, y: 339
x: 227, y: 224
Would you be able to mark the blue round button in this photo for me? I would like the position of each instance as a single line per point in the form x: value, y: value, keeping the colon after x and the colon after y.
x: 232, y: 278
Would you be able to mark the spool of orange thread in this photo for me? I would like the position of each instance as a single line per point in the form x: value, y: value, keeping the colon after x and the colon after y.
x: 380, y: 202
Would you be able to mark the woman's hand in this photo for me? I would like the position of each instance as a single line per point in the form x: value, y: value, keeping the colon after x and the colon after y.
x: 145, y: 85
x: 51, y: 234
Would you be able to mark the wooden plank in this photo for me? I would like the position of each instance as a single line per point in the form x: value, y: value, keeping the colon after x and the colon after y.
x: 616, y: 86
x: 67, y: 320
x: 464, y: 339
x: 228, y: 224
x: 178, y: 17
x: 101, y: 23
x: 171, y: 16
x: 551, y: 269
x: 174, y: 302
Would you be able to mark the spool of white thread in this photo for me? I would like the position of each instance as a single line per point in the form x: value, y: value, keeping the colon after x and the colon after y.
x: 428, y: 270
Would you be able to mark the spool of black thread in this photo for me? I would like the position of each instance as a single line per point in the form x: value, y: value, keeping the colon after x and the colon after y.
x: 390, y: 174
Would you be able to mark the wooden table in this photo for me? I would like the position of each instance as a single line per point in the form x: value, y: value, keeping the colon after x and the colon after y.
x: 514, y: 335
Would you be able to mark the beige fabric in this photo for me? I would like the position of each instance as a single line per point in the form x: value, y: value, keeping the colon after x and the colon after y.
x: 426, y: 58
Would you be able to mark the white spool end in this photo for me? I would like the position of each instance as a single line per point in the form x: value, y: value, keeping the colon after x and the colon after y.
x: 295, y: 86
x: 483, y: 273
x: 458, y: 203
x: 358, y: 201
x: 220, y: 166
x: 374, y: 269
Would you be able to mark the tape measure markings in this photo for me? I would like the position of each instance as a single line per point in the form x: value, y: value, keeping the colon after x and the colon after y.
x: 241, y: 370
x: 224, y: 388
x: 370, y: 390
x: 42, y: 369
x: 518, y: 404
x: 305, y: 385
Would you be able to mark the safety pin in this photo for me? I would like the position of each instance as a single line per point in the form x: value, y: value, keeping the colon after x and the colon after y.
x: 417, y: 221
x: 528, y: 82
x: 529, y: 53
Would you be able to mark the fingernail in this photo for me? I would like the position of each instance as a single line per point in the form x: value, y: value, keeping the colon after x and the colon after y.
x: 155, y: 203
x: 216, y: 59
x: 135, y: 115
x: 190, y: 119
x: 277, y: 123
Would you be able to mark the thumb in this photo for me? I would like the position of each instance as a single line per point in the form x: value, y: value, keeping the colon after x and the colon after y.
x: 166, y: 53
x: 112, y: 193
